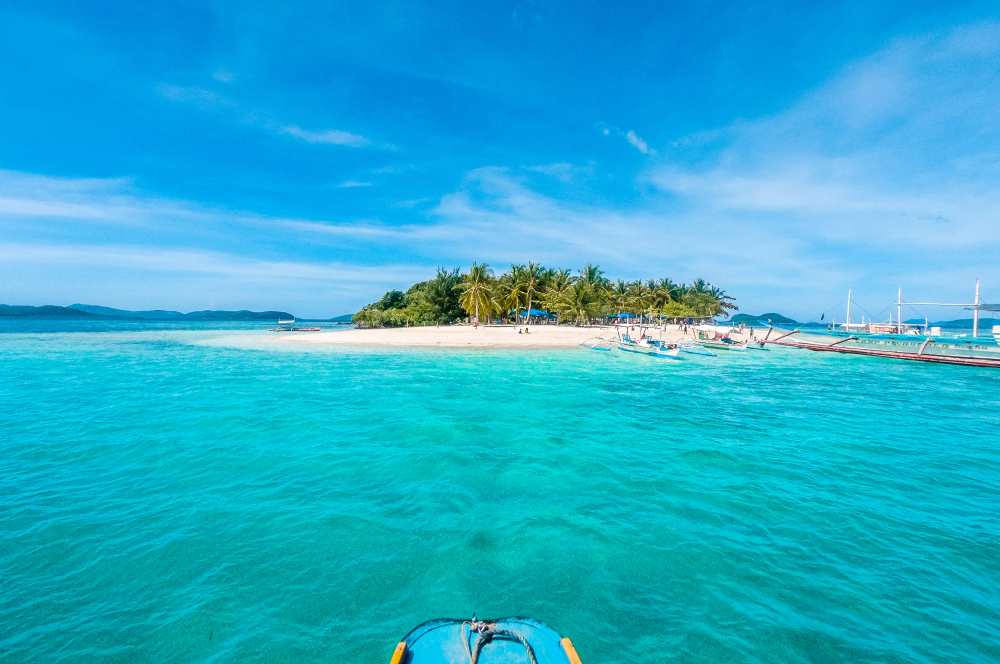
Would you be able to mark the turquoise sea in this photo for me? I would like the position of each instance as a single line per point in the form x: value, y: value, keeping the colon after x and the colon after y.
x: 188, y: 493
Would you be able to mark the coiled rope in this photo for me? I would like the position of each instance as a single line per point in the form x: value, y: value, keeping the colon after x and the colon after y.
x: 487, y: 631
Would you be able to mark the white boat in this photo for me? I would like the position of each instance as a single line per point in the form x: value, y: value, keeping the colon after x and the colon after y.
x: 725, y: 344
x: 648, y: 346
x: 286, y: 322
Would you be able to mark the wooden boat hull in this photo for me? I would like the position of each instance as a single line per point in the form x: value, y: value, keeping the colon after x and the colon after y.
x: 504, y: 640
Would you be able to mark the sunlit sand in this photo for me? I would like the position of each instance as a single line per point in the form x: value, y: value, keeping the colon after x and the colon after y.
x: 538, y: 336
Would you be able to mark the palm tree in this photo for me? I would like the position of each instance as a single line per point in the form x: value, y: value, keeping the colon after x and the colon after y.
x: 618, y: 294
x: 509, y: 289
x: 579, y: 302
x: 674, y: 290
x: 476, y: 290
x: 593, y: 275
x: 638, y: 297
x: 556, y: 283
x: 531, y: 280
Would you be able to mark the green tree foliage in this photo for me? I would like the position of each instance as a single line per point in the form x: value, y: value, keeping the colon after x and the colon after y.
x: 476, y: 292
x: 452, y: 296
x: 580, y: 302
x: 391, y: 300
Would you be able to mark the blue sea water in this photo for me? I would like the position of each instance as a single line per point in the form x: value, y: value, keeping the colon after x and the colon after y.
x: 187, y: 493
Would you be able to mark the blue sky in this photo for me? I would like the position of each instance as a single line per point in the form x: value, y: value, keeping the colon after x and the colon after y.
x: 309, y: 157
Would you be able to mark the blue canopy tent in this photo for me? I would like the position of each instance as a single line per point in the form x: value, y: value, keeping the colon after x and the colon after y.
x: 535, y: 312
x: 620, y: 315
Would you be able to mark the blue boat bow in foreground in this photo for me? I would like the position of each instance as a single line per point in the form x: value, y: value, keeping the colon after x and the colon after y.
x: 506, y: 641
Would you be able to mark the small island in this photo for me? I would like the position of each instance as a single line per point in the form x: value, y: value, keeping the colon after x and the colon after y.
x: 526, y: 306
x: 531, y: 293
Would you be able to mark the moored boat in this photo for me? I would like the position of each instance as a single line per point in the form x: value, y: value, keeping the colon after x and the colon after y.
x: 648, y: 346
x: 725, y: 344
x: 508, y: 640
x: 899, y: 340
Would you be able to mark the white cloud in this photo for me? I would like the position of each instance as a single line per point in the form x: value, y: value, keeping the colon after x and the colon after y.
x: 328, y: 137
x: 151, y: 259
x: 224, y: 76
x: 865, y: 167
x: 353, y: 183
x: 630, y: 136
x: 212, y: 101
x: 638, y: 143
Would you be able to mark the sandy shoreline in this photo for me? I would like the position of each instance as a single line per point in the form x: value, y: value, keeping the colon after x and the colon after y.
x: 459, y: 336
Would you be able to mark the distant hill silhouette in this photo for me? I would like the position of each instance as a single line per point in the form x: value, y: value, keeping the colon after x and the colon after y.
x: 777, y: 319
x: 94, y: 311
x: 960, y: 324
x: 47, y: 311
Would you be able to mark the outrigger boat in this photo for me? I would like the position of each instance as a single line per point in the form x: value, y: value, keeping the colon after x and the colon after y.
x: 725, y: 344
x: 648, y: 346
x: 720, y: 338
x: 903, y: 341
x: 506, y: 641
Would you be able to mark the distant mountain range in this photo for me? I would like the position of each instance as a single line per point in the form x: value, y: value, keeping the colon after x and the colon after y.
x: 959, y: 324
x: 777, y: 319
x: 93, y: 311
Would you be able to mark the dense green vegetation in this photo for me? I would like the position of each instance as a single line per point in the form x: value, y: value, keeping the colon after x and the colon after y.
x: 582, y: 298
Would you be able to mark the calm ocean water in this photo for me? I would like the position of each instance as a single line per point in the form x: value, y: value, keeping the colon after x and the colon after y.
x: 174, y: 493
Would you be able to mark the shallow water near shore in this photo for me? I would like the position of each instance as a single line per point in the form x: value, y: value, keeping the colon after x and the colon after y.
x: 174, y: 493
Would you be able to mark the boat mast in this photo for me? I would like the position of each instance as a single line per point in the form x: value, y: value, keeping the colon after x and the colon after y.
x: 899, y: 312
x: 848, y: 311
x: 975, y: 313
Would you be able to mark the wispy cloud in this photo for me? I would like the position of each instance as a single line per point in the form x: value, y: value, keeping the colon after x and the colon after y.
x: 638, y: 143
x: 197, y: 96
x: 630, y: 136
x: 893, y: 143
x: 224, y: 76
x: 347, y: 184
x: 328, y: 137
x: 151, y: 259
x: 563, y: 171
x: 213, y: 101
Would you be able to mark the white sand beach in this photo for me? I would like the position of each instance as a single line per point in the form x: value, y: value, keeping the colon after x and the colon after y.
x: 486, y: 336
